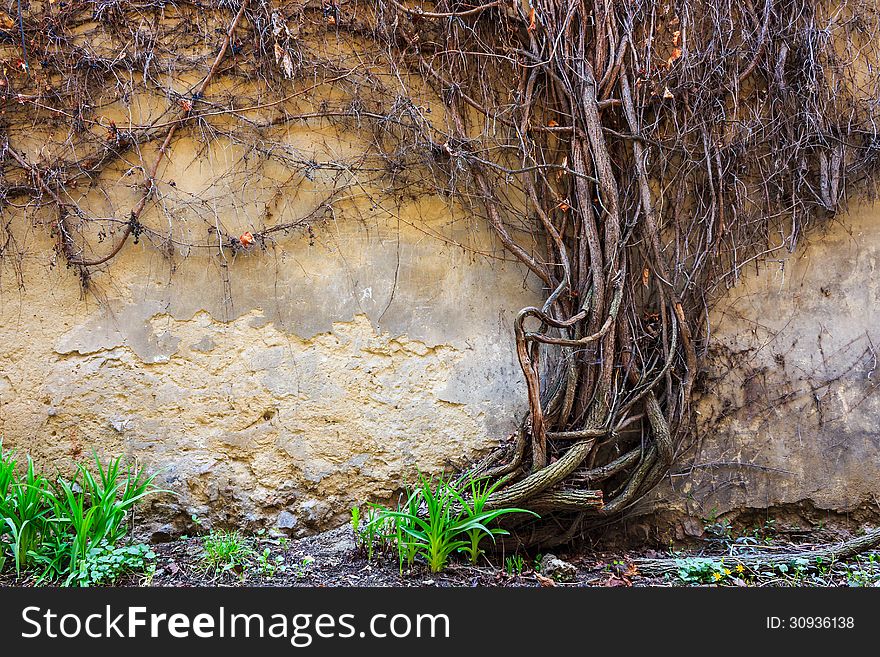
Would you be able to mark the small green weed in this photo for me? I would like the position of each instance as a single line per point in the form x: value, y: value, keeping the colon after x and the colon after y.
x: 718, y: 529
x: 699, y: 570
x: 270, y: 565
x: 356, y: 523
x: 536, y: 562
x: 865, y: 572
x: 514, y: 565
x: 226, y: 551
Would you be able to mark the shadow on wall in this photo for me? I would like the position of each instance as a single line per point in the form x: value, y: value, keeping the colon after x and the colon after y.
x: 789, y: 408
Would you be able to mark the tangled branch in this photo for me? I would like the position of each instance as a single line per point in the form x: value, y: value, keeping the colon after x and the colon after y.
x: 634, y: 157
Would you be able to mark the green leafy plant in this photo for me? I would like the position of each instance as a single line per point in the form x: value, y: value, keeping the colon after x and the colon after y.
x: 226, y: 550
x: 304, y: 565
x: 92, y: 509
x: 438, y: 521
x: 699, y: 570
x: 367, y: 533
x: 56, y: 524
x: 270, y: 565
x: 536, y: 562
x: 865, y: 572
x: 356, y: 522
x: 718, y: 529
x: 514, y: 565
x: 473, y: 506
x: 23, y: 509
x: 104, y: 564
x: 407, y: 549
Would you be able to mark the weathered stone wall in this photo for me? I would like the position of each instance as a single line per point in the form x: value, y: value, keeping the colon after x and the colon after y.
x: 366, y: 336
x: 279, y: 386
x: 279, y: 390
x: 286, y: 386
x: 790, y: 413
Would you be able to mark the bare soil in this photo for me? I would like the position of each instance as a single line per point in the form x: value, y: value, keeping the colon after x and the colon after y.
x: 331, y: 559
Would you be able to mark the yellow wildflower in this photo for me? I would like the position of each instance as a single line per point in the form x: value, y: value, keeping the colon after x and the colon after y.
x: 717, y: 576
x: 727, y: 571
x: 739, y: 568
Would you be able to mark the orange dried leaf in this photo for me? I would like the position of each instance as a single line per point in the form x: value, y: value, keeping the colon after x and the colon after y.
x: 646, y: 276
x: 532, y: 23
x: 676, y: 38
x: 564, y: 206
x: 676, y: 54
x: 246, y: 239
x: 552, y: 124
x: 545, y: 581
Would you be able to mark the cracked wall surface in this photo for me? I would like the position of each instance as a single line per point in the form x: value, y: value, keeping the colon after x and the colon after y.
x: 277, y: 388
x: 277, y: 392
x: 789, y: 413
x: 282, y: 392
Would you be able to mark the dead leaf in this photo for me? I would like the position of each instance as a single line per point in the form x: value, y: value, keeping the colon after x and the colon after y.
x: 616, y: 581
x: 646, y: 276
x: 552, y: 124
x: 279, y: 27
x: 282, y: 58
x: 564, y: 206
x: 667, y: 95
x: 676, y: 54
x: 532, y: 22
x: 246, y: 239
x: 545, y: 581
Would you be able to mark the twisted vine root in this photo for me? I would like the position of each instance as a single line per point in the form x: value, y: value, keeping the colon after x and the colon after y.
x: 650, y: 217
x: 632, y: 156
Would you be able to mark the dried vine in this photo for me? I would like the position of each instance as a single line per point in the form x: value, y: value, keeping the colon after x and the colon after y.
x: 633, y: 156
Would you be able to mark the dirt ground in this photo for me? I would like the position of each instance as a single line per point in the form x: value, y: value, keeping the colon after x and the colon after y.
x: 333, y: 559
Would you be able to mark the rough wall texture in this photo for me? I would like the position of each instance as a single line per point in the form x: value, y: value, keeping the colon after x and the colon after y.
x: 790, y: 409
x: 366, y: 337
x: 278, y: 391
